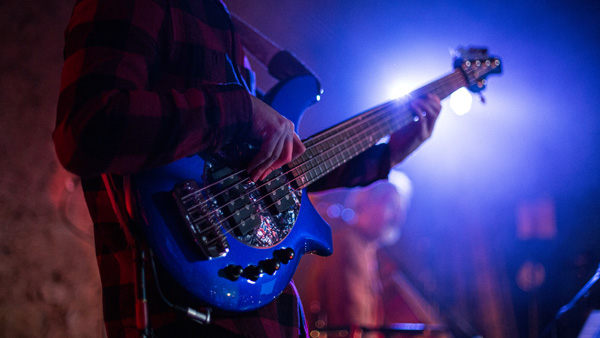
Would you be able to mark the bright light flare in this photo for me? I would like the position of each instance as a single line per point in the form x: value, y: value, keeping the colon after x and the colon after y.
x: 398, y: 90
x: 461, y: 101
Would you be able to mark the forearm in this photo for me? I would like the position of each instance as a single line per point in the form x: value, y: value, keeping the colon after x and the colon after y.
x: 405, y: 141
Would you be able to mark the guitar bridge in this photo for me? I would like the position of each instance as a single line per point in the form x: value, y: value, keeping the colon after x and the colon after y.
x: 199, y: 219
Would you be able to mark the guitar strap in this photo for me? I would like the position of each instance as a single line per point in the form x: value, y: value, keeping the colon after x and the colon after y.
x: 280, y: 63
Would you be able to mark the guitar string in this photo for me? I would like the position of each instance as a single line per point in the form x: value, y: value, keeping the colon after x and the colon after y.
x: 374, y: 111
x: 246, y: 179
x: 316, y: 137
x: 270, y: 180
x: 312, y: 159
x: 406, y: 122
x: 294, y: 190
x: 321, y: 135
x: 341, y: 125
x: 326, y: 136
x: 215, y: 211
x: 230, y: 229
x: 313, y: 138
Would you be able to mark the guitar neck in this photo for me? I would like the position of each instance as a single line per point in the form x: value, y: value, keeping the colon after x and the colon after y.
x: 337, y: 145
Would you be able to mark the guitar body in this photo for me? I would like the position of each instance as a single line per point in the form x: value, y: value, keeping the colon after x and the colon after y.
x: 225, y: 260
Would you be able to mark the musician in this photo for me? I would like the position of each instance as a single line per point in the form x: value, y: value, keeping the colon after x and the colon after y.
x: 147, y: 82
x: 345, y: 289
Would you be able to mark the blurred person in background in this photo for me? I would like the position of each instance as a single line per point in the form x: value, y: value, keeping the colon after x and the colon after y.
x: 345, y: 290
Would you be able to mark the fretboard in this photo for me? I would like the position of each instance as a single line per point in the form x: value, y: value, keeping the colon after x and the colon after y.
x: 337, y: 145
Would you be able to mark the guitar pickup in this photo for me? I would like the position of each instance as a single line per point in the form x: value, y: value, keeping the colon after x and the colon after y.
x: 276, y: 193
x: 236, y: 205
x: 240, y: 216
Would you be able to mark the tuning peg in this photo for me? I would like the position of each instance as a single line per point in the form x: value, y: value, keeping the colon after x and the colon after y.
x: 481, y: 84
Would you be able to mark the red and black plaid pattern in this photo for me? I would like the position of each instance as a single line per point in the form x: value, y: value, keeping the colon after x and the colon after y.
x: 146, y: 82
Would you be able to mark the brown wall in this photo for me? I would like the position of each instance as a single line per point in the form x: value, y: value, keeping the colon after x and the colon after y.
x: 48, y: 277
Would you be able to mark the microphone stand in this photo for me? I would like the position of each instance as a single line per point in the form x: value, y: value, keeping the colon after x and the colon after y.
x: 581, y: 296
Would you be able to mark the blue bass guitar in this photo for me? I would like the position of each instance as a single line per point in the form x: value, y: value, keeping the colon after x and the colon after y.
x: 235, y: 244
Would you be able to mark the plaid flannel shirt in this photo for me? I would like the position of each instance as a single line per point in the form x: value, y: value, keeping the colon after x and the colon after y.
x: 144, y: 83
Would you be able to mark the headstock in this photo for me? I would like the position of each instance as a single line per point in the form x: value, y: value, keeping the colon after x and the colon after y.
x: 476, y: 65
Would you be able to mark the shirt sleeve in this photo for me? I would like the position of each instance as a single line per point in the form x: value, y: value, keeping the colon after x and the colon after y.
x: 116, y: 111
x: 368, y: 167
